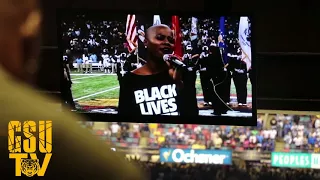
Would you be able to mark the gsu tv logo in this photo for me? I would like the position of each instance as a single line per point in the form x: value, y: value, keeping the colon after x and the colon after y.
x: 196, y: 156
x: 25, y: 139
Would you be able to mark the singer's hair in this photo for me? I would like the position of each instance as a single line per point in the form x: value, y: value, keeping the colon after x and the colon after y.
x: 151, y: 29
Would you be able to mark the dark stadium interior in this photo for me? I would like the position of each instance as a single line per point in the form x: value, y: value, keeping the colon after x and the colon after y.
x: 285, y: 81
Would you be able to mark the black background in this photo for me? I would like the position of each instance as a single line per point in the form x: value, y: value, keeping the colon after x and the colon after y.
x: 284, y: 81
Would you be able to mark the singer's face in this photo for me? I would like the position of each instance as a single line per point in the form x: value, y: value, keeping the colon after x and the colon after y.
x: 160, y: 41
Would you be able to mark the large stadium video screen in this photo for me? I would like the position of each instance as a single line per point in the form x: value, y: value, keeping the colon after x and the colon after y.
x: 158, y: 65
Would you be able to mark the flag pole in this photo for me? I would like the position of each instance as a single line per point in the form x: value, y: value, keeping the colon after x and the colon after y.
x: 135, y: 49
x: 137, y: 55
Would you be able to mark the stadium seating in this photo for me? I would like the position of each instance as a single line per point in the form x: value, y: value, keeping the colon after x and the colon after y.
x: 181, y: 136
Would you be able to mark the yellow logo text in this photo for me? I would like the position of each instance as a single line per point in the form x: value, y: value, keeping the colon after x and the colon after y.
x: 26, y: 140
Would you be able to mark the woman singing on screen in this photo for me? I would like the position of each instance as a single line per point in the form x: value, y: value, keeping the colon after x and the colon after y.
x: 154, y: 88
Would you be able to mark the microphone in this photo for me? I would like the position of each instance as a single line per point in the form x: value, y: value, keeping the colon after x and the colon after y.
x: 174, y: 60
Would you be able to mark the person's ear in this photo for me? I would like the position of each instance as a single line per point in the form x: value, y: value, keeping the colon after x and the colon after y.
x: 31, y: 26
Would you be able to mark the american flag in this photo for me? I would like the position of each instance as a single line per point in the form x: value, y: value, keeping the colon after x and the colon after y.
x: 131, y: 32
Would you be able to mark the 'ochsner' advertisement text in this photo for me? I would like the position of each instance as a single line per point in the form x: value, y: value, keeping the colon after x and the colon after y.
x: 196, y: 156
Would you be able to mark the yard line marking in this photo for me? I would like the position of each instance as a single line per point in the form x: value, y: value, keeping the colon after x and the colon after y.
x: 83, y: 97
x: 96, y: 74
x: 231, y: 97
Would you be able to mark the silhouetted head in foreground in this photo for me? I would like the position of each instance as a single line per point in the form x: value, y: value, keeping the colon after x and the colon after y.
x: 19, y: 37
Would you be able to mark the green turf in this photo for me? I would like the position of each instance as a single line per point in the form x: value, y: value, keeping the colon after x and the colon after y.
x: 87, y: 86
x: 232, y: 89
x: 94, y: 84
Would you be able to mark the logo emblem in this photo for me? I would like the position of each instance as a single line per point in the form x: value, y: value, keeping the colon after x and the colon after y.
x: 166, y: 155
x: 30, y: 167
x: 246, y: 32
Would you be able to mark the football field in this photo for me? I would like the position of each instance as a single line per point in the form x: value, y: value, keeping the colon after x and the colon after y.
x: 90, y: 86
x: 103, y: 89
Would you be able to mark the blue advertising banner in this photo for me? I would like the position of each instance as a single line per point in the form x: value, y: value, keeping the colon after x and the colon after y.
x: 223, y: 157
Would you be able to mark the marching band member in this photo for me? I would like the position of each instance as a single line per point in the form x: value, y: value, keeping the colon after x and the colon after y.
x: 205, y: 76
x: 240, y: 78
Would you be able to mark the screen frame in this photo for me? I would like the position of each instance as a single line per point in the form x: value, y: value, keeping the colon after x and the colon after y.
x: 211, y: 120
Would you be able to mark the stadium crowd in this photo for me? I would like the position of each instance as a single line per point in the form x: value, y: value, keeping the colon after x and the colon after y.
x: 81, y: 35
x: 102, y: 42
x: 192, y: 136
x: 288, y: 129
x: 301, y: 136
